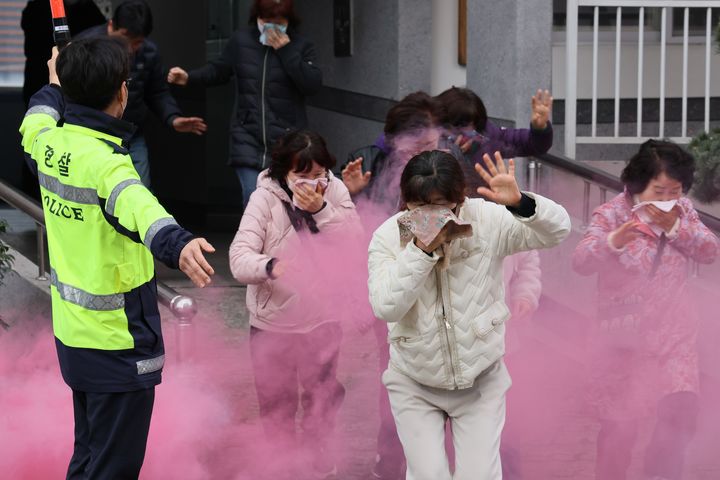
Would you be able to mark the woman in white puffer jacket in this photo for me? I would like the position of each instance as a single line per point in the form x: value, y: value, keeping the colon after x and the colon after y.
x: 447, y: 318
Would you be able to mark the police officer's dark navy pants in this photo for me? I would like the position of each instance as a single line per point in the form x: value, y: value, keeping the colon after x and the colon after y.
x: 111, y: 432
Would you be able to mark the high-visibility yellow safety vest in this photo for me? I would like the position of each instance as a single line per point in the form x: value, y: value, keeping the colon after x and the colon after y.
x: 100, y: 223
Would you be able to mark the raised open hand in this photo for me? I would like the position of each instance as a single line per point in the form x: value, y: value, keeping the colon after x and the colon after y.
x: 354, y: 178
x: 502, y: 187
x: 541, y: 108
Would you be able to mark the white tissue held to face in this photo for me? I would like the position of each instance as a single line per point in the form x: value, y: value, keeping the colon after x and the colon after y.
x: 640, y: 210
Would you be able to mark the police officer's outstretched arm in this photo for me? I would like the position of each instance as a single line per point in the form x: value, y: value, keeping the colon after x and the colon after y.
x: 193, y: 262
x: 134, y: 211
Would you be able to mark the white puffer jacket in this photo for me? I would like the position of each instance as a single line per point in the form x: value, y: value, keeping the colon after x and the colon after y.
x: 447, y: 325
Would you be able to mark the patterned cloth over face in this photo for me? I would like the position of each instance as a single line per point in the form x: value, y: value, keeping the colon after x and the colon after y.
x: 425, y: 223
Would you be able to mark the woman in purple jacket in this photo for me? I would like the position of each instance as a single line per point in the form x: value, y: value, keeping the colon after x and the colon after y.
x: 463, y: 121
x: 466, y: 121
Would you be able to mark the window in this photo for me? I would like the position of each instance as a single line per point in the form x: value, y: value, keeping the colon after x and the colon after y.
x: 697, y: 21
x: 12, y: 57
x: 607, y: 17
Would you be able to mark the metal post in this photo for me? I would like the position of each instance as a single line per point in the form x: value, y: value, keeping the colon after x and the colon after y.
x: 708, y: 44
x: 695, y: 269
x: 603, y: 195
x: 618, y: 39
x: 184, y: 309
x: 184, y: 340
x: 40, y: 236
x: 571, y: 34
x: 586, y: 204
x: 532, y: 168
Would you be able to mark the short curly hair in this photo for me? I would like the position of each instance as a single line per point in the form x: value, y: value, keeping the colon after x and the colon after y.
x: 654, y: 158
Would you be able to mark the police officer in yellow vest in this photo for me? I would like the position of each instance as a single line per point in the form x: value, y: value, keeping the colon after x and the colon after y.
x: 104, y: 227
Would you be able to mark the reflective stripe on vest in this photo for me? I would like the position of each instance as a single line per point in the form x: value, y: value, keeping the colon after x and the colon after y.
x: 87, y: 196
x: 84, y: 299
x: 155, y: 228
x: 44, y: 109
x: 150, y: 365
x: 110, y: 205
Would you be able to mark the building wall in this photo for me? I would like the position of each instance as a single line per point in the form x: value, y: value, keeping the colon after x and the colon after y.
x: 446, y: 72
x: 509, y: 54
x: 390, y: 59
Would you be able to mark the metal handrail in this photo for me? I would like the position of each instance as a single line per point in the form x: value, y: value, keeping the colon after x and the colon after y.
x: 22, y: 202
x: 182, y: 307
x: 606, y: 181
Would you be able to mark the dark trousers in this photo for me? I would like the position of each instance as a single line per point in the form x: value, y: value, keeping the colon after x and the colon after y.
x: 665, y: 454
x: 111, y: 432
x: 284, y: 362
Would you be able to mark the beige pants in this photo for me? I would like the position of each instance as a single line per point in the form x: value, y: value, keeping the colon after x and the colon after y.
x: 477, y: 416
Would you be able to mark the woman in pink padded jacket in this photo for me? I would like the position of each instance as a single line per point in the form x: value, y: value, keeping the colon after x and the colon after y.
x: 294, y: 340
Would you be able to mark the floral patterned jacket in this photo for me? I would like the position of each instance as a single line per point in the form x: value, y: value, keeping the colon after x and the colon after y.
x: 636, y: 291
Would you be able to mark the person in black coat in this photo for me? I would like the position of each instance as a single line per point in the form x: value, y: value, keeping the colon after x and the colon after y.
x: 147, y: 87
x: 274, y: 71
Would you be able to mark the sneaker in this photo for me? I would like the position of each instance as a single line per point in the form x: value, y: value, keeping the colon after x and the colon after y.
x: 386, y: 468
x: 323, y: 465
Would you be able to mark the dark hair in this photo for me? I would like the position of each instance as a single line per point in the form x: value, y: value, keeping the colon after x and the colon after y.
x: 414, y: 112
x: 462, y: 107
x: 654, y: 158
x: 92, y: 71
x: 272, y: 9
x: 297, y: 151
x: 134, y: 16
x: 429, y: 172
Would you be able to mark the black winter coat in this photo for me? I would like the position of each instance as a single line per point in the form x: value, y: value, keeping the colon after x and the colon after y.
x: 148, y: 86
x: 271, y: 90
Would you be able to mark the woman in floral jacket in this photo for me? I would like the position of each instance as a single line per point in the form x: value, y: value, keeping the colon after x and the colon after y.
x: 640, y: 244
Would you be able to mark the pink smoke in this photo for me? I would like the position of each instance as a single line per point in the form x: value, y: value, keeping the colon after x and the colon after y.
x: 206, y: 425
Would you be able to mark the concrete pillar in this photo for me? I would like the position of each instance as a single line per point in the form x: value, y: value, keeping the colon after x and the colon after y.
x: 509, y: 54
x: 414, y: 50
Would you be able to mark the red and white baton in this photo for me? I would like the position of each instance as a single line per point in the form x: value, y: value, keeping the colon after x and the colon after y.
x: 61, y: 31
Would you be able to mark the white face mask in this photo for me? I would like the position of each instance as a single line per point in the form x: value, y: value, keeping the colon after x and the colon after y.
x: 641, y: 212
x: 665, y: 206
x: 294, y: 184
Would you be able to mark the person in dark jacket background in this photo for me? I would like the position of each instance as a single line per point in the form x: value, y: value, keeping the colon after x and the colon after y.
x: 462, y: 127
x: 411, y: 127
x: 465, y: 119
x: 133, y: 21
x: 37, y: 27
x: 274, y: 71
